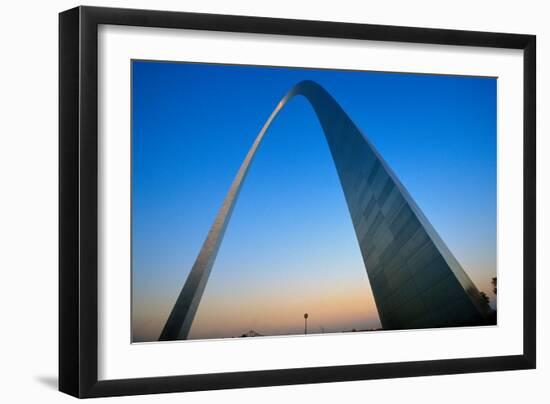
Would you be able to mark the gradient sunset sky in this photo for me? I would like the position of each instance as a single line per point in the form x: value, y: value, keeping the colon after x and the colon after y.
x: 290, y: 246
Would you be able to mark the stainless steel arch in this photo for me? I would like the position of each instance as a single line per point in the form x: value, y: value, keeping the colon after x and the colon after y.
x: 416, y: 281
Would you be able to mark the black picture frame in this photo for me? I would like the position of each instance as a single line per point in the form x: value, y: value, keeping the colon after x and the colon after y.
x: 78, y: 201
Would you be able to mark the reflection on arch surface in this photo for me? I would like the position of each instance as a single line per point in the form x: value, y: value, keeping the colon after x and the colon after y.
x: 416, y: 281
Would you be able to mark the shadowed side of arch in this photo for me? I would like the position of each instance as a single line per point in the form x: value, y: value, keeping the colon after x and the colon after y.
x: 415, y: 279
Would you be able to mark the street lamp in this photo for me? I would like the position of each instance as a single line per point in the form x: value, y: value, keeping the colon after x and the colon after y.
x: 305, y: 319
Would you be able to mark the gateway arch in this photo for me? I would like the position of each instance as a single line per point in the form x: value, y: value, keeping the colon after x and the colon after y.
x: 415, y: 279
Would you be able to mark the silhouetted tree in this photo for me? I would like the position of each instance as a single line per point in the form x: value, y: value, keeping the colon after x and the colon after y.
x: 494, y: 283
x: 485, y: 297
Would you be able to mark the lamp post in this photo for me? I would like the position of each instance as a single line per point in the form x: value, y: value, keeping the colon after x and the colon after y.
x: 305, y: 320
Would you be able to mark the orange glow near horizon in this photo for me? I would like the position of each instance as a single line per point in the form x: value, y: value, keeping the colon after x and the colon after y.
x: 331, y: 308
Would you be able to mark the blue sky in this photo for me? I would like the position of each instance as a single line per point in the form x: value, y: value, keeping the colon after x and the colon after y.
x: 290, y: 246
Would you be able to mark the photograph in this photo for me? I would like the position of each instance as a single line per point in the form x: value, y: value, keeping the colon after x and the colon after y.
x: 232, y: 202
x: 272, y: 201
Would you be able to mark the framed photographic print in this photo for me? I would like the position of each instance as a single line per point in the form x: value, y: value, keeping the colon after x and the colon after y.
x: 251, y: 201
